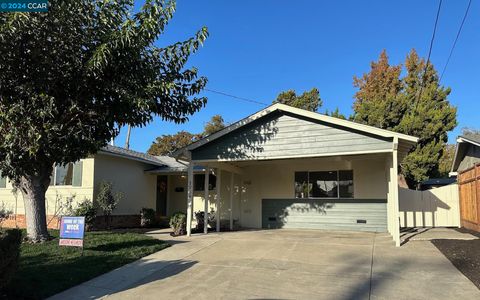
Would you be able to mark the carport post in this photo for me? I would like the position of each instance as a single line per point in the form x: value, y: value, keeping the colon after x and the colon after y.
x: 231, y: 200
x: 205, y: 215
x: 189, y: 198
x: 219, y: 196
x: 396, y: 230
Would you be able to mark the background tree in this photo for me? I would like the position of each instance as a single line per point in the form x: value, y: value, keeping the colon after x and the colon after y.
x: 415, y: 104
x: 167, y: 144
x: 309, y: 100
x: 446, y: 160
x: 71, y: 76
x: 376, y: 101
x: 336, y: 113
x: 215, y: 124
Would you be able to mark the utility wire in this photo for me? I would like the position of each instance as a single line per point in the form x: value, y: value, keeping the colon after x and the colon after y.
x: 236, y: 97
x: 429, y: 53
x: 456, y: 39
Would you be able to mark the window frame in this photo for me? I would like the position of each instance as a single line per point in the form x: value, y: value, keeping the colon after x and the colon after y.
x: 3, y: 179
x: 337, y: 181
x: 203, y: 182
x: 53, y: 180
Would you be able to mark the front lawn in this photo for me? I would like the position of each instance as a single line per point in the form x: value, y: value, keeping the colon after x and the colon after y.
x: 46, y: 269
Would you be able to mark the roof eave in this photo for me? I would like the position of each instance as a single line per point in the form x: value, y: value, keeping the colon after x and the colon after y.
x: 110, y: 153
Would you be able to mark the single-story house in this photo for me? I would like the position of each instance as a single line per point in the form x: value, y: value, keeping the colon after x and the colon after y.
x: 466, y: 166
x: 285, y: 167
x: 145, y: 181
x: 281, y: 167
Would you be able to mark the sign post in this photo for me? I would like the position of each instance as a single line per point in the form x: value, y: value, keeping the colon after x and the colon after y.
x: 72, y: 231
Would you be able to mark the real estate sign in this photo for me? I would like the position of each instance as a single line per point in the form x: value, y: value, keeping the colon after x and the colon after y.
x: 72, y: 230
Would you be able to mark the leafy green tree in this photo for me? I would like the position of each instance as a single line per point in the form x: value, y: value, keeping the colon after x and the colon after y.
x: 336, y: 114
x: 167, y: 144
x: 215, y: 124
x: 71, y: 76
x: 309, y: 100
x: 415, y: 104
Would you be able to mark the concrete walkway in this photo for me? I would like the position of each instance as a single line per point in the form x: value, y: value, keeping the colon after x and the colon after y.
x: 284, y: 264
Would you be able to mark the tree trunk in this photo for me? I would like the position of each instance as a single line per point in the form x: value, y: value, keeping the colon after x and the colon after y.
x: 33, y: 190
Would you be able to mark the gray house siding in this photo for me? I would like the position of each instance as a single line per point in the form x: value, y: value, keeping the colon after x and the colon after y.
x: 472, y: 157
x: 280, y: 135
x: 333, y: 214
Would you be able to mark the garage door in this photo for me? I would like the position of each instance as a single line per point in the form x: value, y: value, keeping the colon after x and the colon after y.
x: 338, y: 214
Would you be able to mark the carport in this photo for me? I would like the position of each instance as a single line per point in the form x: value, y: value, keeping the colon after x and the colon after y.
x: 284, y: 167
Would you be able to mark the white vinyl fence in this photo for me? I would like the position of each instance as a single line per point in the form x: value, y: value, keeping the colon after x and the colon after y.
x: 432, y: 208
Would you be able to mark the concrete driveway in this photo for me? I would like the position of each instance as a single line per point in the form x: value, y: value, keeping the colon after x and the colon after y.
x: 284, y: 264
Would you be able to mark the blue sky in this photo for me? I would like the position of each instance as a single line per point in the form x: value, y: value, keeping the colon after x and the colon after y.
x: 257, y: 49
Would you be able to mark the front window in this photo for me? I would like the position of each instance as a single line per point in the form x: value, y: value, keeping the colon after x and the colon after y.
x: 70, y: 174
x: 3, y: 181
x: 324, y: 184
x: 64, y: 174
x: 199, y: 182
x: 345, y: 184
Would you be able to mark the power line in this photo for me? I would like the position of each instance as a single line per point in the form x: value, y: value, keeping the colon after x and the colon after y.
x: 429, y: 52
x: 236, y: 97
x: 456, y: 39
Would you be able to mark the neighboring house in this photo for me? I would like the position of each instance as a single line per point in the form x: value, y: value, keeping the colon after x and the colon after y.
x: 284, y: 167
x: 467, y: 153
x: 466, y: 166
x: 132, y: 173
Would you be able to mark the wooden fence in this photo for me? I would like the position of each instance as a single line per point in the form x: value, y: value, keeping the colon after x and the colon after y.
x: 469, y: 190
x: 437, y: 207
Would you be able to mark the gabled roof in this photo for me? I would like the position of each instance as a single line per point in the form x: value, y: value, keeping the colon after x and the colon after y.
x: 462, y: 142
x: 130, y: 154
x: 299, y: 112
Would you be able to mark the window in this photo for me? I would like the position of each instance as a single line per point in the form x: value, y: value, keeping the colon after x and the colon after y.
x: 345, y: 184
x: 199, y: 182
x: 302, y: 187
x: 3, y: 182
x: 64, y: 174
x: 324, y: 184
x: 70, y: 174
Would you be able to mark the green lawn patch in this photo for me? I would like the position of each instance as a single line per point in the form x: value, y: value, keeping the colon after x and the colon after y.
x: 46, y: 269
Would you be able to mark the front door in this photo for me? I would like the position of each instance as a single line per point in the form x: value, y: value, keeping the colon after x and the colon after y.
x: 162, y: 183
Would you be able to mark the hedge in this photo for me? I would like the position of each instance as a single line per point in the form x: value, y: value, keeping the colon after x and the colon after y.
x: 10, y: 241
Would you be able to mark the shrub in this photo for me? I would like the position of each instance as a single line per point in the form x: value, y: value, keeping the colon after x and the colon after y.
x: 107, y: 200
x: 10, y: 241
x: 87, y: 209
x: 178, y: 222
x: 200, y: 217
x: 147, y: 217
x: 4, y: 213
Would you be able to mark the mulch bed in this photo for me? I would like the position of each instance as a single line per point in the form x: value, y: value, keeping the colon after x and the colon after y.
x: 464, y: 255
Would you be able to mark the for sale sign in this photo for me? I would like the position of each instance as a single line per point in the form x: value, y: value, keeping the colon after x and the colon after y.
x: 72, y: 230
